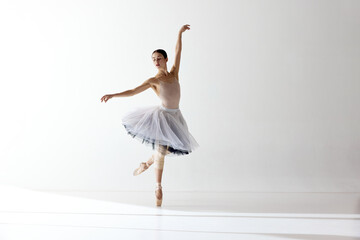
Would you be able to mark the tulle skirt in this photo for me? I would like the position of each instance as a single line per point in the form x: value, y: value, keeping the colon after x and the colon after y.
x: 157, y: 125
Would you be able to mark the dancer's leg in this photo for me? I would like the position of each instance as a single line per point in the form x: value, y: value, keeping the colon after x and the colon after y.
x: 162, y: 149
x: 159, y: 158
x: 159, y: 166
x: 151, y: 160
x: 144, y: 166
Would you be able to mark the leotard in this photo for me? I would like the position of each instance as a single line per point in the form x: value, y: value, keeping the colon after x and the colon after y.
x: 169, y: 93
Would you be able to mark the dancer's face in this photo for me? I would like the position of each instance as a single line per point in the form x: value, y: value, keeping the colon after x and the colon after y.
x: 159, y: 60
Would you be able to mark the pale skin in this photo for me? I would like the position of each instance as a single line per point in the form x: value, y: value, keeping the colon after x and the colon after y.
x: 153, y: 82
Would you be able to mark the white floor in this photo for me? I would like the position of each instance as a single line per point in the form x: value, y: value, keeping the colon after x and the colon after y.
x: 27, y: 215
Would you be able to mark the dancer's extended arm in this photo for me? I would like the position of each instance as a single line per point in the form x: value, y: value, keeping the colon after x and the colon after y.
x: 129, y: 93
x: 134, y: 91
x: 178, y: 48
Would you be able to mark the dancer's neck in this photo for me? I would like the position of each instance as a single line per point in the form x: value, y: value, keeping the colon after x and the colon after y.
x: 163, y: 72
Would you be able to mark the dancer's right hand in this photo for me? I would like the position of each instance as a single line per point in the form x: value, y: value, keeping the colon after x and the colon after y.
x: 106, y: 97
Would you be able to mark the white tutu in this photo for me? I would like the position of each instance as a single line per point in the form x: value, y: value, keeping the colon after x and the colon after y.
x: 157, y: 125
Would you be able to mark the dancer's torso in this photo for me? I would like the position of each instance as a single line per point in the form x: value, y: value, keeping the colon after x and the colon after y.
x: 168, y: 89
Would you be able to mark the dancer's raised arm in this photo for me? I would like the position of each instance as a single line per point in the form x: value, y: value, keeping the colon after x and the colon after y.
x: 128, y: 93
x: 178, y: 48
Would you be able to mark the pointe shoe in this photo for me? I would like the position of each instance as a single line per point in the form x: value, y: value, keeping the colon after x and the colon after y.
x: 143, y: 166
x: 158, y: 196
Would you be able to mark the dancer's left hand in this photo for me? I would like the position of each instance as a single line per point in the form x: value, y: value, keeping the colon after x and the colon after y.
x: 184, y: 28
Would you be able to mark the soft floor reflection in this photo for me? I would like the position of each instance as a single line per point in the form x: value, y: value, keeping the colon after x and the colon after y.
x: 26, y: 214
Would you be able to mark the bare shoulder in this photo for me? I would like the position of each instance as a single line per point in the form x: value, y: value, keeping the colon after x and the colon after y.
x: 152, y: 81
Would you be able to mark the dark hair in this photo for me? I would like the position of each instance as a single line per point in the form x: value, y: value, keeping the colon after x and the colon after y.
x: 161, y: 51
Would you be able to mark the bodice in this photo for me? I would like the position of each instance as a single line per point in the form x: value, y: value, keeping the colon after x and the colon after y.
x: 169, y: 93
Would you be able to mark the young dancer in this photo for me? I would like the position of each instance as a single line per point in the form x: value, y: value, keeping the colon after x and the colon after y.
x: 162, y: 127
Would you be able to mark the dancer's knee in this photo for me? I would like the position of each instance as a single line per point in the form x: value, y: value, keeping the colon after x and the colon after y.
x: 163, y: 150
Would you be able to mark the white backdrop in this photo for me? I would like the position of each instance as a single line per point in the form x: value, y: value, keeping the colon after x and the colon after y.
x: 270, y: 90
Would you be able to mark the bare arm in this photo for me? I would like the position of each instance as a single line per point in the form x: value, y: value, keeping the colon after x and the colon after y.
x: 129, y: 93
x: 178, y: 48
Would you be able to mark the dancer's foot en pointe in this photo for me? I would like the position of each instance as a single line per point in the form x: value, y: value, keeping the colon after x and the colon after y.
x: 158, y: 195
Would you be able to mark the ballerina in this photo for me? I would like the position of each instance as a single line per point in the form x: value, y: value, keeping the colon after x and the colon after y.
x: 161, y: 127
